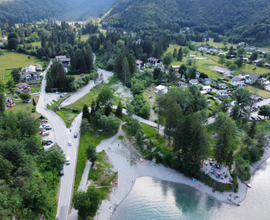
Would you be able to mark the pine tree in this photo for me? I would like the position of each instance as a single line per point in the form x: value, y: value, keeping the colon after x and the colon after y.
x: 43, y: 41
x: 175, y: 53
x: 180, y: 54
x: 97, y: 106
x: 86, y: 112
x: 119, y: 110
x: 125, y: 70
x: 252, y: 131
x: 93, y: 105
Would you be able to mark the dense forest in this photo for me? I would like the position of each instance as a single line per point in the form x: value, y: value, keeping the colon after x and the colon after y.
x: 28, y: 174
x: 81, y: 10
x: 30, y: 10
x: 236, y: 19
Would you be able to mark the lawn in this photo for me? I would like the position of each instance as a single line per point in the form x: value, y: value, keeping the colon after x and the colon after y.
x: 25, y: 107
x: 8, y: 74
x: 66, y: 115
x: 103, y: 175
x: 13, y: 60
x: 263, y: 93
x: 155, y: 140
x: 87, y: 99
x: 34, y: 89
x: 84, y: 37
x: 90, y: 137
x: 34, y: 44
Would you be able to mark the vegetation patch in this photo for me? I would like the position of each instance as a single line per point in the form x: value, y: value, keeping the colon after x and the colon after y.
x: 93, y: 138
x: 67, y: 115
x: 103, y: 175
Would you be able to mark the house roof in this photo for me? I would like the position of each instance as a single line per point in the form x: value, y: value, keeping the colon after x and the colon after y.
x: 160, y: 87
x: 153, y: 59
x: 181, y: 83
x: 198, y: 73
x: 207, y: 87
x: 254, y: 76
x: 193, y: 81
x: 222, y: 91
x: 175, y: 66
x: 139, y: 62
x: 60, y: 57
x: 64, y: 59
x: 236, y: 79
x: 222, y: 84
x: 21, y: 85
x: 208, y: 79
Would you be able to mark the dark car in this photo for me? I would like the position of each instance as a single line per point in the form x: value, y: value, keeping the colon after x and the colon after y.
x: 61, y: 172
x: 48, y: 128
x: 75, y: 135
x: 218, y: 166
x: 252, y: 118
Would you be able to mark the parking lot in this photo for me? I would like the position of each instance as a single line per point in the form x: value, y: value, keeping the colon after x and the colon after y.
x: 53, y: 97
x: 50, y: 137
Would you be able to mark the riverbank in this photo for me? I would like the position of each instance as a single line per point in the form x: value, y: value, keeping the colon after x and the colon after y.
x: 124, y: 157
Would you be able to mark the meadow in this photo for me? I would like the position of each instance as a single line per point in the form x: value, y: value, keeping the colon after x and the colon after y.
x: 13, y: 60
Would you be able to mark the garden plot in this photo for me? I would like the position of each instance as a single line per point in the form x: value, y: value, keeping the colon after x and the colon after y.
x: 122, y: 92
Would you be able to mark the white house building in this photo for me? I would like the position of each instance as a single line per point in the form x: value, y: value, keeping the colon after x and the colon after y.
x: 183, y: 84
x: 252, y: 78
x: 154, y: 61
x: 222, y: 94
x: 140, y: 65
x: 194, y: 82
x: 161, y: 89
x: 208, y: 81
x: 207, y: 88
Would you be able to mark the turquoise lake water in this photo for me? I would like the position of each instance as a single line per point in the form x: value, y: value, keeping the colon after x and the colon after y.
x: 160, y: 200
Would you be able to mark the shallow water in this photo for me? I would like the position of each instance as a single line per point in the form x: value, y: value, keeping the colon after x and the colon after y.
x: 160, y: 200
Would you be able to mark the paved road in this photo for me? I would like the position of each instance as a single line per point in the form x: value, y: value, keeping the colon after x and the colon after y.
x: 62, y: 136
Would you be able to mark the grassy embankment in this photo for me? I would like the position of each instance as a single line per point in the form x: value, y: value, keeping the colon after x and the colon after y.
x: 103, y: 176
x: 88, y: 138
x: 87, y: 99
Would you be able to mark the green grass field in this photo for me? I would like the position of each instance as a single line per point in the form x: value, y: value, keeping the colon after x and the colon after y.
x: 84, y: 37
x: 34, y: 44
x: 263, y: 93
x: 87, y: 99
x: 25, y: 107
x: 66, y: 115
x: 13, y: 60
x: 93, y: 138
x: 8, y: 74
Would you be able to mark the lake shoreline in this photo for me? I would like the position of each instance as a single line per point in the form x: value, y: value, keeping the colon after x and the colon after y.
x: 124, y: 157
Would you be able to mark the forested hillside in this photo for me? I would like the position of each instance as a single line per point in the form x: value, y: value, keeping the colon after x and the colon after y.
x: 242, y: 20
x: 80, y: 10
x: 29, y: 10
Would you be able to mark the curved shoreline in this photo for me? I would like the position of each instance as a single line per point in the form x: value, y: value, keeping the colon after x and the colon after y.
x: 121, y: 156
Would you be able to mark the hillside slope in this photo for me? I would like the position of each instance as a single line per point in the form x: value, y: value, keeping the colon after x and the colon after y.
x: 247, y: 20
x: 29, y: 10
x: 80, y: 10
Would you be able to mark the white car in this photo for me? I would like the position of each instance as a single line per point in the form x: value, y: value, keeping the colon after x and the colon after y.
x: 49, y: 104
x: 67, y: 160
x: 69, y: 143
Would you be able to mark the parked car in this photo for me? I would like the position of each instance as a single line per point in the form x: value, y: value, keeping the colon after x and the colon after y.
x: 75, y: 135
x: 44, y: 121
x: 259, y: 117
x: 46, y: 133
x: 67, y: 160
x: 69, y: 143
x: 47, y: 142
x: 41, y: 132
x: 55, y: 100
x: 49, y: 104
x: 48, y: 128
x: 61, y: 172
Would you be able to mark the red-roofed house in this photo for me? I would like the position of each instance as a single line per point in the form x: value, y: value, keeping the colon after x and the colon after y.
x: 140, y: 65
